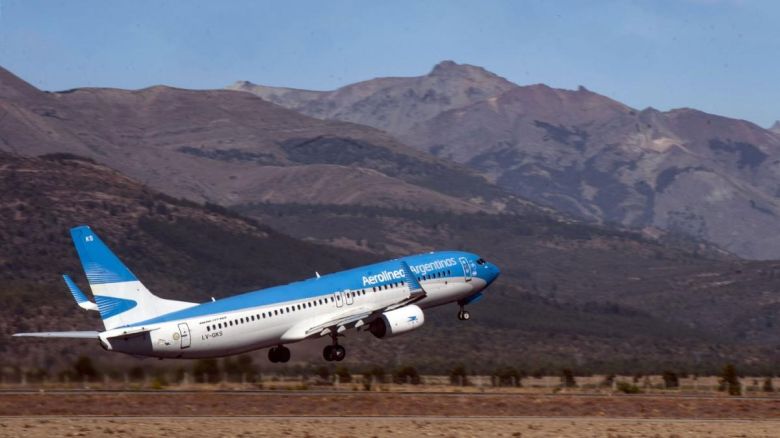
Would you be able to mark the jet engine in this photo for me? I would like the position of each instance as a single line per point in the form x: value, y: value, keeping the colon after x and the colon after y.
x: 398, y: 321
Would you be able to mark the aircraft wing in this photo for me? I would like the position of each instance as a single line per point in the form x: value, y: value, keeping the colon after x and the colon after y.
x: 356, y: 316
x: 342, y: 321
x: 416, y: 291
x: 75, y: 335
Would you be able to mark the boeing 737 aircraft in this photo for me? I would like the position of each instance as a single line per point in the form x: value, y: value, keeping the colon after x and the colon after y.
x: 386, y: 299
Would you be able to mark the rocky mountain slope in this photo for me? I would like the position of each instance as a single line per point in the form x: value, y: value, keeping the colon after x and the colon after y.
x: 683, y: 170
x: 229, y: 147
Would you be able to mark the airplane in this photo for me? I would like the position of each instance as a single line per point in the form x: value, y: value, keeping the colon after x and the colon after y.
x: 387, y: 299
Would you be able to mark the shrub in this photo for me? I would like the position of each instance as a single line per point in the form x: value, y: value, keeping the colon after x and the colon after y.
x: 567, y: 378
x: 768, y: 387
x: 206, y: 370
x: 508, y: 376
x: 343, y: 373
x: 407, y: 374
x: 671, y: 380
x: 628, y: 388
x: 458, y: 376
x: 84, y: 369
x: 729, y: 380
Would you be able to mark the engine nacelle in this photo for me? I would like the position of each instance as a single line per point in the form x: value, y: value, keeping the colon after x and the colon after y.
x: 398, y: 321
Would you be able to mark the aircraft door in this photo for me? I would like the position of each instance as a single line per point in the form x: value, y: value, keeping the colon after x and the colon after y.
x: 348, y: 297
x: 184, y: 331
x: 466, y: 268
x: 339, y: 299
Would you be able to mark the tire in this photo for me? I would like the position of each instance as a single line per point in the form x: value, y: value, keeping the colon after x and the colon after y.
x: 327, y: 353
x: 339, y: 353
x: 272, y: 356
x: 284, y: 354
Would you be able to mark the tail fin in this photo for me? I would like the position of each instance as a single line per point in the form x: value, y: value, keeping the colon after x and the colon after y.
x: 121, y: 299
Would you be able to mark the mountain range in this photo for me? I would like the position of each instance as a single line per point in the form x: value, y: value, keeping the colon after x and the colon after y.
x: 579, y: 152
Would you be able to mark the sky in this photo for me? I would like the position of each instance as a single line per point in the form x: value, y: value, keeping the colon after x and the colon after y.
x: 719, y: 56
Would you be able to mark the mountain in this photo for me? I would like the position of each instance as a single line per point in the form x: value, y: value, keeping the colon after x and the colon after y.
x: 394, y: 105
x: 684, y: 170
x: 228, y: 147
x: 776, y: 127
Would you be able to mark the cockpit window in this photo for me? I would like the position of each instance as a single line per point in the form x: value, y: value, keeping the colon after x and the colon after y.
x: 481, y: 261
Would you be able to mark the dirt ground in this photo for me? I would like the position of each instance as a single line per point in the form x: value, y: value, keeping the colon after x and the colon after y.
x: 360, y: 414
x: 304, y: 403
x: 377, y: 427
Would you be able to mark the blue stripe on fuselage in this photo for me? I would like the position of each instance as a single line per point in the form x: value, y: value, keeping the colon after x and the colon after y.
x: 350, y: 279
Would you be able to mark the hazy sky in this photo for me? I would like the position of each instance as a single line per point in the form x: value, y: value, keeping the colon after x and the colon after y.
x: 719, y: 56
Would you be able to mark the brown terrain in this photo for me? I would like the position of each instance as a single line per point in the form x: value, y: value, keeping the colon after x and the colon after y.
x: 382, y: 414
x: 228, y: 147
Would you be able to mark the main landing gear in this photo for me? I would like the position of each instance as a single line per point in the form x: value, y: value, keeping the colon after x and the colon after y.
x: 334, y: 352
x: 463, y: 314
x: 279, y: 354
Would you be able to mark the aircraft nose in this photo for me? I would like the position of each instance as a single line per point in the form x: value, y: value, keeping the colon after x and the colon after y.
x: 494, y: 272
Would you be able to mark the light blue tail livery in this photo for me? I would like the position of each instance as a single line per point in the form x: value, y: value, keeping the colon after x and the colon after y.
x: 121, y: 299
x: 100, y: 264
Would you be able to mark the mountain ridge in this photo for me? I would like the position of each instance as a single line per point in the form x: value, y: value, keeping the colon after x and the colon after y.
x: 577, y: 151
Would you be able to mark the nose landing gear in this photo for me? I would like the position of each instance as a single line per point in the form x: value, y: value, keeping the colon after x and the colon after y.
x: 279, y: 354
x: 463, y: 314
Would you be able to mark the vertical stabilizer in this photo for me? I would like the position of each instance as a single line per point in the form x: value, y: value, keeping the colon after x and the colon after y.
x: 121, y: 299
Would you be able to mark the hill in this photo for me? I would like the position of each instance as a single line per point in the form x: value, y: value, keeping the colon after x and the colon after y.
x: 228, y: 147
x: 686, y: 171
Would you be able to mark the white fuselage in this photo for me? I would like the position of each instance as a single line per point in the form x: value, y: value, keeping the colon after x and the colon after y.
x: 251, y: 328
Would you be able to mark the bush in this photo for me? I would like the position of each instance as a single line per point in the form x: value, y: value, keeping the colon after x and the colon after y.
x: 343, y: 373
x: 407, y: 374
x: 375, y: 372
x: 206, y: 370
x: 671, y: 380
x: 322, y: 372
x: 84, y: 369
x: 768, y: 387
x: 458, y: 376
x: 729, y: 380
x: 567, y: 378
x: 628, y: 388
x: 508, y: 376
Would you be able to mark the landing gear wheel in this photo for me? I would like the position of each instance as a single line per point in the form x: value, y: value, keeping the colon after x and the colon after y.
x: 279, y: 354
x: 284, y: 354
x: 463, y: 314
x: 327, y: 353
x: 339, y: 353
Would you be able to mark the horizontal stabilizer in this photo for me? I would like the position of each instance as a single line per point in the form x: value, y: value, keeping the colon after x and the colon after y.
x: 78, y: 295
x: 75, y: 335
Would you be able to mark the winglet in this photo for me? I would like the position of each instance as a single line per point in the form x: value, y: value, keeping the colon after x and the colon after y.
x: 78, y: 295
x: 415, y: 289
